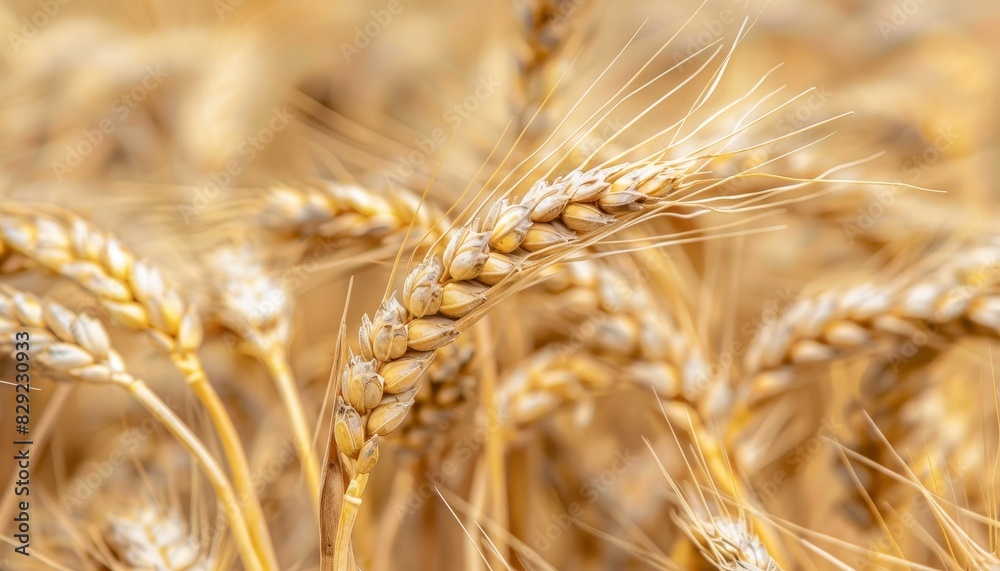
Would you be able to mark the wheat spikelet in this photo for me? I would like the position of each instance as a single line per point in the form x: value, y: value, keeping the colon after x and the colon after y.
x: 77, y: 347
x: 146, y: 537
x: 135, y: 295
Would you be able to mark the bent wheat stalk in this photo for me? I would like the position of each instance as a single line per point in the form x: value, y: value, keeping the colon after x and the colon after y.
x: 77, y: 347
x: 136, y: 296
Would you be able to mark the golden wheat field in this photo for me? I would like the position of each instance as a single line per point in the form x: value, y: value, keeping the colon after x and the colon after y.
x: 486, y: 285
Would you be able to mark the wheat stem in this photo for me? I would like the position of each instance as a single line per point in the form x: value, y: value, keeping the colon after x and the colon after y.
x: 277, y: 364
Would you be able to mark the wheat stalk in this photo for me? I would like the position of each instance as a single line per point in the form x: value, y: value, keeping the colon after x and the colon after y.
x: 136, y: 296
x: 255, y: 304
x: 146, y: 537
x: 77, y: 347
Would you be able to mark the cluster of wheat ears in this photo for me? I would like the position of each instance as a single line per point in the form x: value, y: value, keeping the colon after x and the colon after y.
x: 541, y: 284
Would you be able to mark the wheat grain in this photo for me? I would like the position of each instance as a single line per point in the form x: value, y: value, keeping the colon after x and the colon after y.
x: 77, y: 347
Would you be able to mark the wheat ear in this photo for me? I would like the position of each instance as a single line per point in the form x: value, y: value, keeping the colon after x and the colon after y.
x: 728, y: 543
x: 544, y: 28
x: 337, y: 211
x: 727, y: 540
x: 136, y: 296
x: 77, y: 347
x: 953, y: 300
x: 446, y: 390
x: 146, y: 537
x: 450, y: 288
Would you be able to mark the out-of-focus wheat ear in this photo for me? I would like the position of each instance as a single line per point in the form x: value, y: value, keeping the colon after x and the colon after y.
x: 76, y: 347
x: 946, y: 301
x: 446, y: 391
x: 730, y: 544
x: 336, y: 211
x: 135, y: 295
x: 544, y: 31
x: 146, y: 537
x: 255, y: 305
